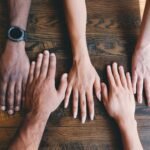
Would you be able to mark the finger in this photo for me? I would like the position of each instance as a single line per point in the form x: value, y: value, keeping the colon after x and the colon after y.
x: 139, y: 89
x: 116, y: 73
x: 75, y: 103
x: 18, y: 94
x: 31, y: 72
x: 122, y: 76
x: 83, y: 106
x: 67, y: 97
x: 45, y: 64
x: 10, y: 97
x: 23, y: 89
x: 90, y: 101
x: 147, y: 90
x: 63, y: 86
x: 134, y: 81
x: 38, y: 65
x: 111, y: 79
x: 129, y: 82
x: 52, y: 67
x: 104, y: 93
x: 3, y: 88
x: 97, y: 87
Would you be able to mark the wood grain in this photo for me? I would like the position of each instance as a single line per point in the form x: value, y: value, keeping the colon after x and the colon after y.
x: 112, y: 32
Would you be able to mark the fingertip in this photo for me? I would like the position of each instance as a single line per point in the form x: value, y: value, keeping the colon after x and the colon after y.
x: 46, y: 52
x: 92, y: 116
x: 53, y: 54
x: 10, y: 112
x: 75, y: 115
x: 65, y: 76
x: 3, y: 108
x: 17, y: 108
x: 83, y: 119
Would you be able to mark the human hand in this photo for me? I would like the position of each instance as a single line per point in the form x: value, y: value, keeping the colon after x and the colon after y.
x: 118, y: 98
x: 81, y: 81
x: 14, y: 68
x: 141, y: 73
x: 41, y: 94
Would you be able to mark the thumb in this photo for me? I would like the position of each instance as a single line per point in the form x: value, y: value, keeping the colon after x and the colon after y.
x: 63, y: 86
x: 104, y: 93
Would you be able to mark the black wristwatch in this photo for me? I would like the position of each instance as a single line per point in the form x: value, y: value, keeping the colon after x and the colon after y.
x: 16, y: 34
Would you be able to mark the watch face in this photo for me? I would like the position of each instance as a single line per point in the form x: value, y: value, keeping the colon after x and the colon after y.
x: 16, y: 33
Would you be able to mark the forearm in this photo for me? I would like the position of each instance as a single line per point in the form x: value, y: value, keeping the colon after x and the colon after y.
x: 31, y: 132
x: 76, y: 18
x: 145, y: 28
x: 19, y: 11
x: 130, y: 137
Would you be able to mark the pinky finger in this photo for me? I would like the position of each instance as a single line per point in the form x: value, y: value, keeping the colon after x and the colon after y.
x: 68, y: 93
x: 134, y: 81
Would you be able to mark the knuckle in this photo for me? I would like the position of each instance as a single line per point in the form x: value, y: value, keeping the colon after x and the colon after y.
x: 83, y: 103
x: 91, y: 103
x: 10, y: 95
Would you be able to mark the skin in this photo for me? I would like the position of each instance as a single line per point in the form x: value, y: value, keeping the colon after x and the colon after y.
x: 118, y: 99
x: 83, y: 78
x: 42, y: 99
x: 14, y: 63
x: 140, y: 59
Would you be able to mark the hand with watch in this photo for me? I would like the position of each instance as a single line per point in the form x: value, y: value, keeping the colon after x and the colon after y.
x: 14, y: 68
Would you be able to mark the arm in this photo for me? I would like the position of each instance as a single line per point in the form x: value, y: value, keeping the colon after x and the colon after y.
x: 14, y: 63
x: 42, y: 99
x: 120, y: 104
x: 19, y: 11
x: 83, y: 76
x: 140, y: 59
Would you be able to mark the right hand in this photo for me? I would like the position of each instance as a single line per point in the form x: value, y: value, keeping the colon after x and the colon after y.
x: 14, y: 68
x: 119, y: 99
x: 41, y: 94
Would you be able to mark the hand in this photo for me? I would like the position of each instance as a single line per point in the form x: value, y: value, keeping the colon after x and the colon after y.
x: 141, y: 73
x: 14, y: 68
x: 82, y: 78
x: 41, y: 94
x: 119, y: 100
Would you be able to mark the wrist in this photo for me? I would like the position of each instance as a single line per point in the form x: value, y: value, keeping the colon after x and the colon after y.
x: 128, y: 124
x: 15, y: 46
x: 38, y: 115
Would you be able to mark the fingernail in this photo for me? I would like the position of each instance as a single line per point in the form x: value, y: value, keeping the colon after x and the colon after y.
x: 17, y: 108
x: 92, y: 116
x: 65, y: 105
x: 75, y: 115
x: 10, y: 112
x: 83, y: 119
x: 65, y: 75
x: 52, y: 54
x: 46, y: 52
x: 3, y: 108
x: 99, y: 96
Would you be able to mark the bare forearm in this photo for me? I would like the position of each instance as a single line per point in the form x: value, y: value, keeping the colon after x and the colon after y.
x: 76, y: 18
x: 145, y: 28
x: 31, y: 132
x: 130, y: 137
x: 19, y: 11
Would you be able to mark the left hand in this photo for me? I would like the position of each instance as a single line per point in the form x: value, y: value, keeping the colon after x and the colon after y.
x: 119, y: 98
x: 81, y: 81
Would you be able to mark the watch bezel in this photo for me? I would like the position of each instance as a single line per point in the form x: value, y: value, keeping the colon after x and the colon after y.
x: 21, y: 38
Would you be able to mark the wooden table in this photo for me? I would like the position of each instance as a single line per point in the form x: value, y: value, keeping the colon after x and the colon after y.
x: 112, y: 31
